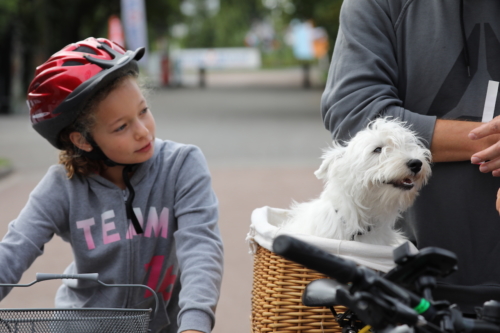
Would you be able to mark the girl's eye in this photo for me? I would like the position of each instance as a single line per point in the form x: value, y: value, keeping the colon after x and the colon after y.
x: 378, y: 150
x: 144, y: 110
x: 121, y: 128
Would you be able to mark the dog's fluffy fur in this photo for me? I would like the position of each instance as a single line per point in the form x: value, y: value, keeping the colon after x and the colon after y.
x: 369, y: 181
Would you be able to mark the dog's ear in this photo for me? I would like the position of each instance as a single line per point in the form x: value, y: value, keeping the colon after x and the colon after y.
x: 329, y: 156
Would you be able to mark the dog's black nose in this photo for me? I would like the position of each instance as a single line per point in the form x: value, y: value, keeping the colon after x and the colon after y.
x: 414, y: 165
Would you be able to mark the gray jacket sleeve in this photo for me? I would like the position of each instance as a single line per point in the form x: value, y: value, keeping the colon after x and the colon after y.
x: 198, y: 244
x: 364, y: 75
x: 34, y: 227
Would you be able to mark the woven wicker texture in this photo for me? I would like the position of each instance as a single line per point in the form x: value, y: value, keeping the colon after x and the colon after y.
x: 277, y: 298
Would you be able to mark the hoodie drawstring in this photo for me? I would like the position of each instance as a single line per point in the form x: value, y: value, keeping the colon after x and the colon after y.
x: 128, y: 204
x: 464, y: 37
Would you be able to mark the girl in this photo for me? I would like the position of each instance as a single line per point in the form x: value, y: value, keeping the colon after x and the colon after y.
x: 135, y: 209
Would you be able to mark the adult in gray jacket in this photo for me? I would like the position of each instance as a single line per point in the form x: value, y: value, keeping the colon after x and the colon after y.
x: 436, y: 66
x: 135, y: 209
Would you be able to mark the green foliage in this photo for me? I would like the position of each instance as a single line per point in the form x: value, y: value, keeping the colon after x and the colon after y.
x: 45, y: 26
x: 51, y: 24
x: 4, y: 162
x: 161, y: 15
x: 8, y: 9
x: 281, y: 57
x: 225, y: 29
x: 235, y: 18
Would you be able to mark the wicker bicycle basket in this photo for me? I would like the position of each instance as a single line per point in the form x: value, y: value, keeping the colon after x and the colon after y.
x: 277, y: 290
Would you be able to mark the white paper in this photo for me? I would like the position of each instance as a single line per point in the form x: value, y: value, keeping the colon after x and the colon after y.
x: 490, y: 101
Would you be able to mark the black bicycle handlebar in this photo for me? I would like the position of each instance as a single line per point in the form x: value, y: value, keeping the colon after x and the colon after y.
x: 314, y: 258
x: 395, y: 304
x: 344, y: 271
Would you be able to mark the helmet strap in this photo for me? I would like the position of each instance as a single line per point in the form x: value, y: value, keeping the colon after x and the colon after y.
x: 128, y: 204
x: 97, y: 154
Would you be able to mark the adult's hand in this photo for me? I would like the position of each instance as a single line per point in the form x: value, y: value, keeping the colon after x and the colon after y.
x: 498, y: 201
x: 489, y: 158
x: 450, y: 142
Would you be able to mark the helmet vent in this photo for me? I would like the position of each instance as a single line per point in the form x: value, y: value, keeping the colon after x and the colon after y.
x: 72, y: 63
x: 85, y: 49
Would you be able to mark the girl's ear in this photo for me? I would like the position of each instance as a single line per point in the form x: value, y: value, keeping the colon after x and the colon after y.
x: 79, y: 141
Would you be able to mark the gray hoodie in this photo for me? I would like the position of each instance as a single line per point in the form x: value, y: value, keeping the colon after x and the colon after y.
x: 409, y: 59
x: 181, y: 244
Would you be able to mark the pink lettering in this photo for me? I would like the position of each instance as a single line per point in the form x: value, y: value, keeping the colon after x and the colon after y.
x: 168, y: 281
x: 107, y: 227
x: 157, y: 224
x: 131, y: 230
x: 85, y: 225
x: 155, y: 267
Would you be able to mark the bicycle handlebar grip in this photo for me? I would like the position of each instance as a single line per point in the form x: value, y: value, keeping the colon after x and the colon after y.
x: 469, y: 325
x: 48, y: 276
x: 314, y: 258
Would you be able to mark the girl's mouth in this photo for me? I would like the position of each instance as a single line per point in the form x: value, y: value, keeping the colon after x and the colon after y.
x: 145, y: 148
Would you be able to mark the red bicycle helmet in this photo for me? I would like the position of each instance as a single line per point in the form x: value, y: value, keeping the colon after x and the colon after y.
x: 69, y: 78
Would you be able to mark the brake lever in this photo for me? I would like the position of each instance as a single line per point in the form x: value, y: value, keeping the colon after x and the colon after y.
x: 321, y: 292
x: 379, y: 311
x: 365, y: 307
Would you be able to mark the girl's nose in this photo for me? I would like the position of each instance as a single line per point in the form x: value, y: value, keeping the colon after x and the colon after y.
x: 141, y: 130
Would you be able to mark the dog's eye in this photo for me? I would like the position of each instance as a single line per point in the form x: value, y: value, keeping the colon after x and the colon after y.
x: 378, y: 150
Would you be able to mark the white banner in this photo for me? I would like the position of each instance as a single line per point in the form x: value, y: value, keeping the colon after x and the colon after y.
x: 134, y: 22
x: 219, y: 58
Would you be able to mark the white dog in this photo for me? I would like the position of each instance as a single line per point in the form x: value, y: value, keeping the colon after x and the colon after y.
x: 369, y: 181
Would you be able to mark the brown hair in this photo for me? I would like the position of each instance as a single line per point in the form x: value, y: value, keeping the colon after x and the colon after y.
x: 71, y: 156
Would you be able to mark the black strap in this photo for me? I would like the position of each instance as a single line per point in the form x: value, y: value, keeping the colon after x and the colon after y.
x: 96, y: 153
x: 128, y: 204
x: 360, y: 233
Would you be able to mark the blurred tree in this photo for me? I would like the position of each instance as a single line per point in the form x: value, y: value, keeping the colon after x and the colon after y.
x: 43, y: 27
x: 237, y: 17
x: 161, y: 16
x: 8, y: 9
x: 226, y: 28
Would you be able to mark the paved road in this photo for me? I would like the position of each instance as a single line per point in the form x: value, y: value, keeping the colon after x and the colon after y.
x: 262, y: 136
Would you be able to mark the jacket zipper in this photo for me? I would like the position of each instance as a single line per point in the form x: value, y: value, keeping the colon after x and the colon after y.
x: 130, y: 278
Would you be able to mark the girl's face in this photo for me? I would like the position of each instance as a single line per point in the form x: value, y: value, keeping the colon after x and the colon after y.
x: 124, y: 127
